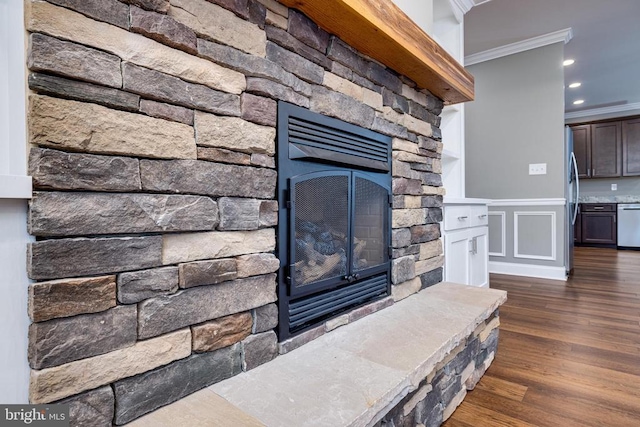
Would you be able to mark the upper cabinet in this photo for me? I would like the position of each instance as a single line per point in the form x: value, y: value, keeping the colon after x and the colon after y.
x: 631, y: 147
x: 607, y: 149
x: 582, y: 149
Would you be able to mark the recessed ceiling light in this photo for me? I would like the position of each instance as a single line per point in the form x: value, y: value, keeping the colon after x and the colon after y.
x: 575, y: 85
x: 568, y: 62
x: 578, y: 102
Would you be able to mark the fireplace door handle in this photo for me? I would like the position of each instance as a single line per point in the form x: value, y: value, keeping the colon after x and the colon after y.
x: 352, y: 278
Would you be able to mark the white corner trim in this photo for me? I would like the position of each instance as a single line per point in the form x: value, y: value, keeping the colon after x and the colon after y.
x: 564, y: 36
x: 503, y: 233
x: 528, y: 202
x: 528, y: 270
x: 604, y: 110
x: 553, y: 237
x: 14, y: 182
x: 15, y: 187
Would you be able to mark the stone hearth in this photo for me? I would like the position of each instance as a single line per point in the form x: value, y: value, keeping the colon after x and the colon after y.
x: 411, y: 364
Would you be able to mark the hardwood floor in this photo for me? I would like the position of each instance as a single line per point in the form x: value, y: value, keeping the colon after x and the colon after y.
x: 568, y: 353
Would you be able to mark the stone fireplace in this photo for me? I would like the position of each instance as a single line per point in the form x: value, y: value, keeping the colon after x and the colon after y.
x: 186, y: 233
x: 334, y: 228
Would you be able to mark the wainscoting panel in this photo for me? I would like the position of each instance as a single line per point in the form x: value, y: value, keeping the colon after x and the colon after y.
x: 526, y: 237
x: 534, y: 235
x: 497, y: 234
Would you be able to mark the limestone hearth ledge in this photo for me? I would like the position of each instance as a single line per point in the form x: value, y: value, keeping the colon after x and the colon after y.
x: 350, y: 377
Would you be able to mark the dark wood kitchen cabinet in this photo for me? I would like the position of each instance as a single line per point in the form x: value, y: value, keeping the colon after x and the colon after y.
x: 598, y: 149
x: 599, y: 224
x: 608, y: 149
x: 631, y: 147
x: 582, y: 149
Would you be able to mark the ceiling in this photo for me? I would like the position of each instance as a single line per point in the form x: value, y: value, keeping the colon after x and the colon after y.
x: 605, y: 44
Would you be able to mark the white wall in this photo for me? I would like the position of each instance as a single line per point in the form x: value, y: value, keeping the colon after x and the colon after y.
x: 420, y: 12
x: 15, y: 188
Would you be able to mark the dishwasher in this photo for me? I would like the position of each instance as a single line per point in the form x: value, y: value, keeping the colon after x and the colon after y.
x: 629, y: 225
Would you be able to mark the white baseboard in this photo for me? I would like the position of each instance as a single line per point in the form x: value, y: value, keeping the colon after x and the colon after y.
x: 528, y: 270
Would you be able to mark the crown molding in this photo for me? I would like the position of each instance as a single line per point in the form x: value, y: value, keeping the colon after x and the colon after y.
x: 604, y: 110
x: 461, y: 7
x: 564, y: 36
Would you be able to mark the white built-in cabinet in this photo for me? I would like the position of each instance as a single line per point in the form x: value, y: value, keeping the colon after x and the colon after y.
x: 466, y: 242
x: 466, y: 245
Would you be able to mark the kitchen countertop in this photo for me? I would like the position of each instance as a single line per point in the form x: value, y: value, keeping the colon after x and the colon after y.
x: 609, y: 199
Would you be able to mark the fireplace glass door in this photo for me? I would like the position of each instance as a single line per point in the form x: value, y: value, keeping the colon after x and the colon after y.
x: 338, y: 228
x: 371, y: 219
x: 320, y: 228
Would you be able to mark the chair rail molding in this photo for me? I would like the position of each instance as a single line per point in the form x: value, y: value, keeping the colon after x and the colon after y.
x: 528, y: 202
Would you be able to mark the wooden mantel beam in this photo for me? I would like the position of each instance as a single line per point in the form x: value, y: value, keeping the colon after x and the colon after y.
x: 379, y: 29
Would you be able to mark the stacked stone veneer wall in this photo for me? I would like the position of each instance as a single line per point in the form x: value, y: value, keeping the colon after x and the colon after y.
x: 152, y: 132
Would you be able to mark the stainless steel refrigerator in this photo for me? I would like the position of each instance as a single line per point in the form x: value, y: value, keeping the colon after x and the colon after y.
x: 572, y: 193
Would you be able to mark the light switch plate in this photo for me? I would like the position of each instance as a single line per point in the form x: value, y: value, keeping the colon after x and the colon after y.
x: 537, y: 169
x: 614, y: 187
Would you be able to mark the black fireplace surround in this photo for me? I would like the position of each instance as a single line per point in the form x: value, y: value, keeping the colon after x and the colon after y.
x: 334, y: 224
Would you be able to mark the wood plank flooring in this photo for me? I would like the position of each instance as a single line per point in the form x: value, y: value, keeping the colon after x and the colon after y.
x: 569, y: 352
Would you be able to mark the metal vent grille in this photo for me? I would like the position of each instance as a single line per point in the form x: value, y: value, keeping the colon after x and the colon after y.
x: 312, y: 140
x: 314, y: 308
